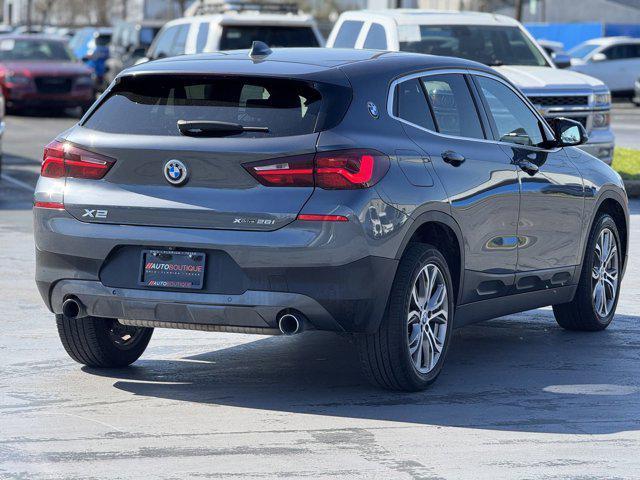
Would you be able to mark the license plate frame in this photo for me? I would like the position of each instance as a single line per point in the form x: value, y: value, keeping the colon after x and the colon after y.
x: 172, y: 269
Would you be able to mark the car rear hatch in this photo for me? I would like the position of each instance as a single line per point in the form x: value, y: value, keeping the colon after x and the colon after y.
x: 161, y: 174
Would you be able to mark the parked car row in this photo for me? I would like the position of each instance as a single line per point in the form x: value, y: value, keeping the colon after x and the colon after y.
x: 236, y: 25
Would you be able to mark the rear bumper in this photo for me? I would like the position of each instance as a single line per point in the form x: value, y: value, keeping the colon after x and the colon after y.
x: 324, y: 272
x: 250, y: 310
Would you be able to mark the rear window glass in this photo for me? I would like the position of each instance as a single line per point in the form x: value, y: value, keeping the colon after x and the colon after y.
x: 152, y: 105
x: 242, y: 36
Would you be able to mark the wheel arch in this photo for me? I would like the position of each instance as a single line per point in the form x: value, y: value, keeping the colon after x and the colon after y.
x: 611, y: 203
x: 441, y: 230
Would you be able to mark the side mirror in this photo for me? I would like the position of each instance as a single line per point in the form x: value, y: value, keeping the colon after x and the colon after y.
x: 562, y: 60
x: 569, y: 133
x: 599, y: 57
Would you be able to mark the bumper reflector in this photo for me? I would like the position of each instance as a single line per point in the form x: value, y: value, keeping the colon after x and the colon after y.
x: 49, y: 205
x: 311, y: 217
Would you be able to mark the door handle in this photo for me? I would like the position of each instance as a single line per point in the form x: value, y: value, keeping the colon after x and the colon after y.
x: 528, y: 167
x: 453, y: 158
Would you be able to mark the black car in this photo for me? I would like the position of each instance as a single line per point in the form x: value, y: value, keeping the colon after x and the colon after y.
x: 391, y: 196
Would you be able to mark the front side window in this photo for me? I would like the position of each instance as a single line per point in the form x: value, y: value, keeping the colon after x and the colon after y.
x: 453, y: 106
x: 376, y: 38
x: 583, y: 50
x: 491, y: 45
x: 411, y: 104
x: 513, y: 121
x: 348, y: 34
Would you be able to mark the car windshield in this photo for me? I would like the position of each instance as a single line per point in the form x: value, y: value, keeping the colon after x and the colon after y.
x: 23, y: 49
x: 237, y: 37
x: 491, y: 45
x: 583, y: 50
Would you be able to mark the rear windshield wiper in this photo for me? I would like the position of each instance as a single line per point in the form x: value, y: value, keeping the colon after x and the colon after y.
x: 212, y: 128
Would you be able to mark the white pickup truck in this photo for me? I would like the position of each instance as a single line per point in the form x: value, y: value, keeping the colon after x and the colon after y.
x: 494, y: 40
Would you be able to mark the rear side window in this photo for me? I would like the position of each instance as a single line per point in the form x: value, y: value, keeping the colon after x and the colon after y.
x: 164, y: 43
x: 376, y: 38
x: 239, y: 37
x: 453, y: 106
x: 203, y: 35
x: 153, y: 104
x: 412, y: 106
x: 348, y: 34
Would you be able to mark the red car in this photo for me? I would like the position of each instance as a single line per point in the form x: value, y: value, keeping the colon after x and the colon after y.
x: 38, y: 71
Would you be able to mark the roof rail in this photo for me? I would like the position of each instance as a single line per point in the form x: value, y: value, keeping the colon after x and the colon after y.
x: 208, y: 7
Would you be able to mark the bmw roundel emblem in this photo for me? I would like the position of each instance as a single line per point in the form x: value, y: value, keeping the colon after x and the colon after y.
x: 175, y: 172
x: 373, y: 109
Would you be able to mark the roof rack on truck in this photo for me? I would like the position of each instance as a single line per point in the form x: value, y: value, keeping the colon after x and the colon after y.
x: 204, y: 7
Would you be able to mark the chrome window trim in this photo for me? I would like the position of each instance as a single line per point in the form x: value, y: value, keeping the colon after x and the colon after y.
x: 465, y: 71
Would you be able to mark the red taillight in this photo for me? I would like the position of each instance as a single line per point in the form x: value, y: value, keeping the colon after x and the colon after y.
x: 337, y: 170
x: 350, y: 169
x: 67, y: 160
x: 283, y: 172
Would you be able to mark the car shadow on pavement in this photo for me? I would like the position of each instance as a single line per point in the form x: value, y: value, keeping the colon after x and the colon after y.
x: 520, y: 373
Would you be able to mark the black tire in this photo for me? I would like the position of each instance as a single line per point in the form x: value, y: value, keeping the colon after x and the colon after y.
x: 92, y: 341
x: 384, y: 355
x: 580, y: 314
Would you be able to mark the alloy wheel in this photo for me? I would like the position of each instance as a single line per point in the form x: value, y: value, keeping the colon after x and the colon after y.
x: 427, y: 319
x: 604, y: 274
x: 123, y: 336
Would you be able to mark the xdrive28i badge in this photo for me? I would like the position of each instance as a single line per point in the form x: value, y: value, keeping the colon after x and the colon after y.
x: 175, y: 172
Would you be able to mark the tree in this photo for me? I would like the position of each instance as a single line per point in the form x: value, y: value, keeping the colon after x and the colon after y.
x: 44, y: 8
x: 519, y: 5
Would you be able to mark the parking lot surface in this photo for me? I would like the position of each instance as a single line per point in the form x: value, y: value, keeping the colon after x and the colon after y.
x: 518, y: 398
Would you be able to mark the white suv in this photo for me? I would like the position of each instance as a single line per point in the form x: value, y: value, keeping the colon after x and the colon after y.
x: 495, y: 40
x: 231, y: 26
x: 614, y: 60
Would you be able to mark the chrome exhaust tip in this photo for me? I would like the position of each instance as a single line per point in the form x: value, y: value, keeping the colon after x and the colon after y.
x: 73, y: 308
x: 290, y: 324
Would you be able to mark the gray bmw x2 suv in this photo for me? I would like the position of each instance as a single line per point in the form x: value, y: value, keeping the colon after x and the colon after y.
x: 391, y: 196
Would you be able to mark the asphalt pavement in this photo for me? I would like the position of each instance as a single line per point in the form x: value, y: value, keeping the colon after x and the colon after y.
x: 518, y: 398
